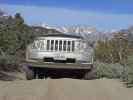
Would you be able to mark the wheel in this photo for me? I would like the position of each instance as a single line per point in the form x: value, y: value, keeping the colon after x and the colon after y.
x: 88, y: 74
x: 29, y: 74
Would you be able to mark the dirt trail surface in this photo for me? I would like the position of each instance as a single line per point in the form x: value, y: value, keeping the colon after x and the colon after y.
x: 65, y: 89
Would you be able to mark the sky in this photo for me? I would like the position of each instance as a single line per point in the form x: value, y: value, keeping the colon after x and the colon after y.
x: 102, y: 14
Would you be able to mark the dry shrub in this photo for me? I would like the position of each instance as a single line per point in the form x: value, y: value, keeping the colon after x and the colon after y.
x: 107, y: 70
x: 10, y: 63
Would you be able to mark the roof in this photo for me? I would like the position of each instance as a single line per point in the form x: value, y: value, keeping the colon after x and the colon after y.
x: 62, y: 35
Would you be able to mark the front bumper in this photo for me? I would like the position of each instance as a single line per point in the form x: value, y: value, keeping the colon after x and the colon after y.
x: 59, y: 65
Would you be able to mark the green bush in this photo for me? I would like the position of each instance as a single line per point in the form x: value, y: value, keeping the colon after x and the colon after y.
x: 129, y: 71
x: 106, y: 70
x: 114, y: 71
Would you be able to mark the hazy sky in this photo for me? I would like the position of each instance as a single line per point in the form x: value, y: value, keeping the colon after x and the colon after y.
x: 103, y: 14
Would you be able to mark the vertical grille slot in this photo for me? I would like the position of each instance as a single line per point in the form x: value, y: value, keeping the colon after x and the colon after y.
x: 73, y: 45
x: 48, y: 45
x: 60, y: 45
x: 69, y: 46
x: 56, y: 45
x: 52, y: 45
x: 64, y: 46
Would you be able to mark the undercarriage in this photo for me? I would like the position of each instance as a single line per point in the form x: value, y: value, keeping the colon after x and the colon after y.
x: 58, y: 70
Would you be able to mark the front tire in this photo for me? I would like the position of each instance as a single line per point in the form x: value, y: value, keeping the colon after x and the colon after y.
x: 88, y: 74
x: 29, y: 74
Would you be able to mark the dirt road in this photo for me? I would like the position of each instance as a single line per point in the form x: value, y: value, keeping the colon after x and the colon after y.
x: 65, y: 89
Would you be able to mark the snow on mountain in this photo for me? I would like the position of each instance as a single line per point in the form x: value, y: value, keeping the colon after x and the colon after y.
x: 87, y: 32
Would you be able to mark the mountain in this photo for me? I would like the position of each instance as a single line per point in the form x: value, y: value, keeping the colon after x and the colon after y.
x: 129, y: 33
x: 73, y: 29
x: 1, y: 12
x: 89, y: 33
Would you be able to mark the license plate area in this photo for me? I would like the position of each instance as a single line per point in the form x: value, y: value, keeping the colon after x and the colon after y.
x: 59, y: 57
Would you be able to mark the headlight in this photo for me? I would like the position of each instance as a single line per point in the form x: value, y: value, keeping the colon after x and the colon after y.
x: 38, y: 44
